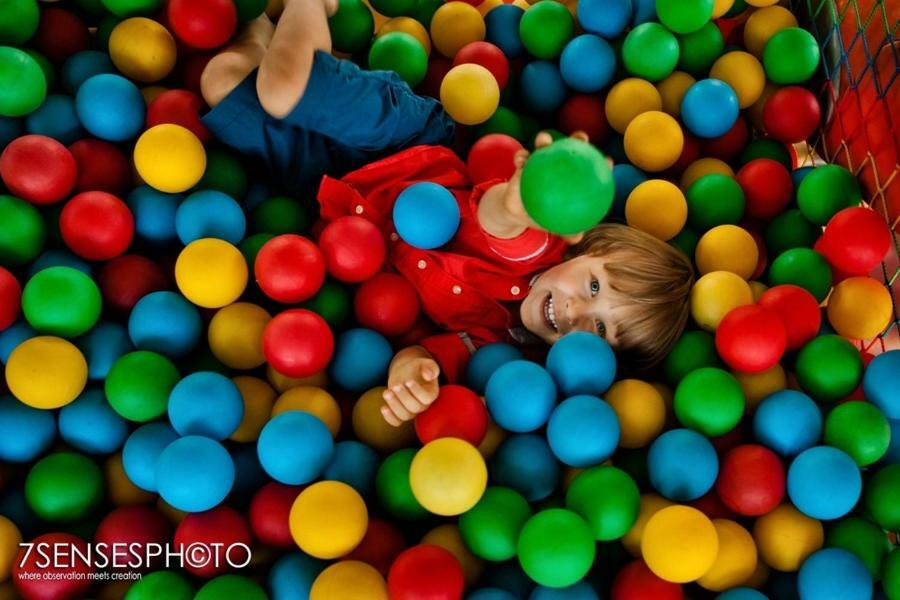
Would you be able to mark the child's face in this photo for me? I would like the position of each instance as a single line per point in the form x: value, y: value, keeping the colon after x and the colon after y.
x: 572, y: 296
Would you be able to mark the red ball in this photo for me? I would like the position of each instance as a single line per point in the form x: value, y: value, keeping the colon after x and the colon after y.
x: 96, y: 225
x: 584, y: 113
x: 192, y: 70
x: 203, y: 24
x: 101, y: 167
x: 751, y: 480
x: 180, y: 107
x: 380, y: 546
x: 751, y: 339
x: 437, y: 69
x: 712, y: 506
x: 798, y: 311
x: 38, y: 169
x: 856, y: 240
x: 298, y: 343
x: 488, y: 56
x: 46, y: 582
x: 458, y: 412
x: 635, y: 581
x: 387, y: 303
x: 220, y: 529
x: 61, y: 34
x: 763, y: 255
x: 493, y: 157
x: 767, y: 187
x: 10, y: 298
x: 126, y: 279
x: 289, y: 268
x: 353, y: 247
x: 135, y: 527
x: 727, y: 146
x: 269, y: 512
x: 425, y: 571
x: 690, y: 153
x: 792, y: 114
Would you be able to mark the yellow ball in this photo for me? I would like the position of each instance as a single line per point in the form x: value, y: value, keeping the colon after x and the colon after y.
x: 650, y: 505
x: 487, y: 6
x: 785, y: 537
x: 758, y: 288
x: 657, y: 207
x: 258, y: 400
x: 628, y: 99
x: 282, y: 383
x: 410, y: 26
x: 757, y: 386
x: 492, y: 440
x: 701, y: 167
x: 235, y: 335
x: 760, y: 576
x: 314, y: 401
x: 640, y: 409
x: 763, y: 24
x: 371, y: 428
x: 469, y: 93
x: 448, y: 476
x: 211, y: 273
x: 744, y: 73
x: 715, y: 295
x: 727, y: 248
x: 151, y: 93
x: 119, y: 488
x: 654, y: 141
x: 755, y: 112
x: 46, y: 372
x: 170, y: 158
x: 680, y: 544
x: 761, y: 3
x: 672, y: 90
x: 720, y: 7
x: 349, y: 580
x: 735, y: 561
x: 860, y: 308
x: 142, y: 49
x: 10, y: 538
x: 448, y: 537
x: 328, y: 519
x: 454, y: 25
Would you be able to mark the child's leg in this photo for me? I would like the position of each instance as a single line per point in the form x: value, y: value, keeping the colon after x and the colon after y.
x: 228, y: 68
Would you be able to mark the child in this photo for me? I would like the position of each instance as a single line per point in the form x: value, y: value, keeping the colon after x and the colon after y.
x: 280, y: 97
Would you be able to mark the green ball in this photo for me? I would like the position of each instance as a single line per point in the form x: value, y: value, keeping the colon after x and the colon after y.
x: 686, y: 241
x: 23, y: 85
x: 332, y: 302
x: 700, y: 49
x: 279, y: 215
x: 18, y: 21
x: 567, y: 187
x: 789, y: 230
x: 803, y: 267
x: 546, y: 28
x: 130, y: 8
x: 92, y: 7
x: 424, y: 11
x: 556, y: 548
x: 863, y: 538
x: 827, y: 190
x: 491, y: 528
x: 225, y: 173
x: 251, y: 245
x: 791, y: 56
x: 503, y: 121
x: 883, y: 497
x: 650, y: 52
x: 714, y: 200
x: 710, y: 401
x: 161, y: 585
x: 402, y: 53
x: 247, y: 10
x: 64, y: 487
x: 890, y: 574
x: 860, y: 430
x: 765, y: 149
x: 394, y: 8
x: 634, y: 462
x: 608, y: 499
x: 737, y: 8
x: 61, y: 301
x: 693, y: 350
x: 684, y: 16
x: 138, y: 385
x: 231, y: 586
x: 23, y: 233
x: 46, y: 67
x: 829, y: 368
x: 393, y: 488
x: 352, y: 27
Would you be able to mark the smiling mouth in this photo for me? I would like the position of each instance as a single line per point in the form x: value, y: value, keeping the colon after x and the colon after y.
x: 550, y: 314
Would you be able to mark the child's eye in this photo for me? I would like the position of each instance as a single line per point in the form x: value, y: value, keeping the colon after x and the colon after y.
x: 601, y: 329
x: 595, y: 286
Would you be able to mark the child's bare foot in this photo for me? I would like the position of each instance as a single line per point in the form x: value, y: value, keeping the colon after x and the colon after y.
x: 228, y: 68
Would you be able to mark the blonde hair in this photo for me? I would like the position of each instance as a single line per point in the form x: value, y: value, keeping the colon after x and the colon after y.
x: 654, y: 279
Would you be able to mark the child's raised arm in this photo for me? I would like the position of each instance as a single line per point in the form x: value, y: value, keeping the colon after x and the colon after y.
x: 412, y: 385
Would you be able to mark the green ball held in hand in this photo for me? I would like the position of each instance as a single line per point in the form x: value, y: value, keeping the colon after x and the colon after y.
x: 393, y: 487
x: 138, y: 385
x: 61, y: 301
x: 826, y: 191
x: 23, y: 85
x: 231, y: 586
x: 556, y: 548
x: 863, y: 538
x: 23, y: 233
x: 860, y: 430
x: 650, y: 52
x: 491, y: 528
x: 165, y: 585
x: 684, y: 16
x: 791, y: 56
x: 352, y: 27
x: 883, y: 497
x: 567, y: 187
x: 402, y: 53
x: 714, y: 200
x: 546, y: 28
x: 130, y: 8
x: 608, y: 499
x: 18, y: 21
x: 710, y: 401
x: 64, y: 487
x: 692, y: 351
x: 829, y: 368
x: 803, y: 267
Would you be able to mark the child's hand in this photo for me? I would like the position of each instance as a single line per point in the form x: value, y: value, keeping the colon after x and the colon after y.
x: 412, y: 387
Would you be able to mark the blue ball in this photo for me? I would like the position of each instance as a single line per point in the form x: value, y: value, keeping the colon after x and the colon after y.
x: 582, y: 363
x: 83, y: 65
x: 742, y: 593
x: 10, y: 129
x: 644, y: 12
x: 834, y: 574
x: 626, y: 177
x: 502, y: 29
x: 25, y: 432
x: 354, y: 464
x: 103, y: 345
x: 509, y: 577
x: 824, y: 483
x: 520, y: 396
x: 893, y: 452
x: 583, y: 431
x: 587, y: 63
x: 709, y: 108
x: 194, y: 473
x: 607, y: 18
x: 141, y: 453
x: 59, y: 258
x: 361, y: 360
x: 542, y: 87
x: 491, y: 593
x: 249, y: 475
x: 292, y: 576
x: 426, y: 215
x: 526, y: 464
x: 485, y: 361
x: 207, y: 404
x: 295, y: 447
x: 682, y: 465
x: 154, y: 214
x: 91, y: 425
x: 798, y: 175
x: 787, y: 422
x: 166, y: 323
x: 579, y: 591
x: 881, y: 383
x: 56, y: 118
x: 110, y: 107
x: 210, y: 214
x: 12, y: 336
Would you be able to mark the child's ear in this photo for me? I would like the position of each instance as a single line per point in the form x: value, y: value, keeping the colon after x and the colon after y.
x: 573, y: 239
